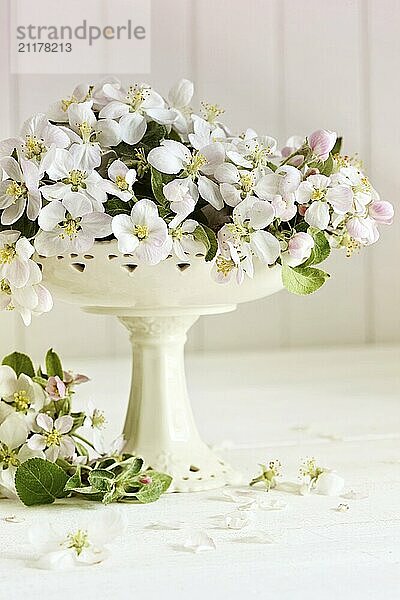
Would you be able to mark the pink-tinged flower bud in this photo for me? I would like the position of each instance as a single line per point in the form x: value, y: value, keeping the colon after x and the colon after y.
x: 381, y: 211
x: 145, y: 480
x: 311, y: 172
x: 321, y: 142
x: 56, y: 388
x: 296, y: 161
x: 302, y: 208
x: 300, y: 246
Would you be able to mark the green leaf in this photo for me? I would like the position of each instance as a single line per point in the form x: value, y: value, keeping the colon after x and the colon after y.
x: 132, y: 468
x: 116, y: 206
x: 150, y: 492
x: 162, y: 478
x: 321, y: 249
x: 204, y: 234
x: 338, y: 146
x: 40, y: 380
x: 53, y: 364
x: 302, y: 280
x: 327, y: 166
x: 153, y: 136
x: 101, y: 480
x: 157, y: 185
x: 40, y: 481
x: 74, y: 482
x: 21, y: 363
x: 25, y: 226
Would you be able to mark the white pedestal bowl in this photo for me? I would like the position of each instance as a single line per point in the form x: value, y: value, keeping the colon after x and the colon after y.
x: 158, y: 304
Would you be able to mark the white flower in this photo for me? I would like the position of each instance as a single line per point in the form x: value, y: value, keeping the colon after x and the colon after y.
x: 19, y: 190
x: 20, y: 395
x: 132, y: 107
x: 70, y: 226
x: 174, y: 157
x: 246, y: 234
x: 13, y: 451
x: 53, y: 439
x: 329, y: 484
x: 183, y: 242
x: 36, y: 137
x: 283, y: 182
x: 209, y: 190
x: 121, y: 180
x: 319, y: 190
x: 15, y: 254
x: 92, y: 133
x: 68, y: 169
x: 180, y: 96
x: 252, y: 151
x: 59, y: 547
x: 299, y: 248
x: 32, y: 299
x: 182, y: 195
x: 143, y: 233
x: 59, y: 110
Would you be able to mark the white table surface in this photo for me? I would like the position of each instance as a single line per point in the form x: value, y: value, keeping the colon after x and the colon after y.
x: 341, y: 406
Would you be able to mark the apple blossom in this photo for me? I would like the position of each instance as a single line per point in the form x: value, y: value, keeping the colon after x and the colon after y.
x: 121, y: 180
x: 143, y: 233
x: 70, y: 226
x: 299, y: 248
x: 182, y: 240
x: 19, y: 190
x: 15, y: 254
x: 322, y: 142
x: 68, y: 169
x: 182, y: 195
x: 179, y: 97
x: 132, y: 107
x: 54, y: 439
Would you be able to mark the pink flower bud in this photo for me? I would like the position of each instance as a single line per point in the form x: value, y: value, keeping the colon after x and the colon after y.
x: 146, y: 480
x: 300, y: 245
x: 56, y: 388
x: 302, y: 208
x: 321, y: 142
x: 381, y: 211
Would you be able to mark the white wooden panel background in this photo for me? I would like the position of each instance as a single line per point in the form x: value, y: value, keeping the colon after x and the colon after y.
x: 281, y: 67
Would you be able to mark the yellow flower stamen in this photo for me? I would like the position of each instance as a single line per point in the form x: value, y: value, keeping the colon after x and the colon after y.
x: 121, y: 183
x: 7, y: 254
x: 211, y: 111
x: 21, y: 401
x: 8, y: 457
x: 136, y: 96
x: 34, y: 148
x: 224, y: 265
x: 78, y: 541
x: 53, y: 438
x: 76, y: 179
x: 141, y: 231
x: 16, y: 190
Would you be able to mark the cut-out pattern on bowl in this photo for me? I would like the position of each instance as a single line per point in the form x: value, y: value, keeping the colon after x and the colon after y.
x: 129, y: 268
x: 78, y: 267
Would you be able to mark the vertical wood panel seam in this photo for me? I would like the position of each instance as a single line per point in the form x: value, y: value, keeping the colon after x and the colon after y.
x: 192, y: 64
x: 281, y: 89
x: 365, y: 112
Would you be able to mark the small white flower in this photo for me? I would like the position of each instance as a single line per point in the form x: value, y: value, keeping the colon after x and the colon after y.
x: 182, y: 194
x: 13, y: 451
x: 59, y: 110
x: 20, y: 394
x: 180, y: 96
x: 174, y: 157
x: 132, y: 107
x: 143, y: 233
x: 183, y: 242
x: 70, y: 226
x: 32, y: 299
x: 15, y: 254
x: 19, y: 190
x: 54, y: 439
x: 37, y: 136
x: 59, y: 547
x: 299, y: 248
x: 68, y: 168
x: 252, y: 151
x: 121, y: 180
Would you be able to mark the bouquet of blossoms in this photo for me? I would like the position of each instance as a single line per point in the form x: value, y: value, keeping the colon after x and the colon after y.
x: 52, y: 448
x: 113, y: 162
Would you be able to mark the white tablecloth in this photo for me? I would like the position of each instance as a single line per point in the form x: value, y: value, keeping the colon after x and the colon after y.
x: 341, y: 406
